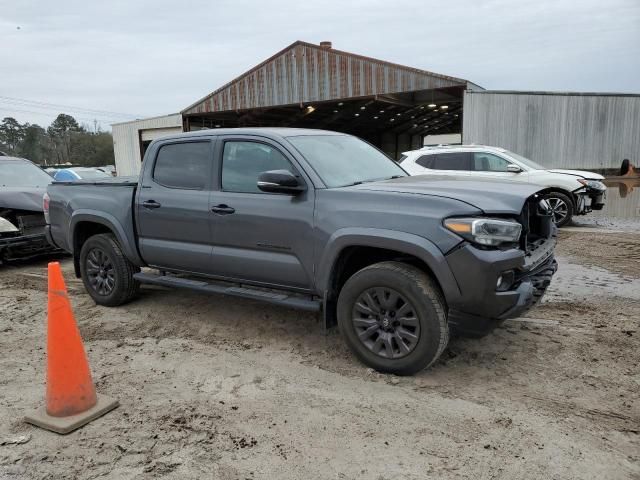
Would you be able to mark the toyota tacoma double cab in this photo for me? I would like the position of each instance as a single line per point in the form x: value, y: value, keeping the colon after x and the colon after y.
x: 315, y: 220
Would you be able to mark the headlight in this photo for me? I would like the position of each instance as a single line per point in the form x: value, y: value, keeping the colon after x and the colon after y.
x: 595, y: 184
x: 485, y: 231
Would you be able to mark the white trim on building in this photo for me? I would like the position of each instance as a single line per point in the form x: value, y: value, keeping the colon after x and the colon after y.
x: 127, y: 138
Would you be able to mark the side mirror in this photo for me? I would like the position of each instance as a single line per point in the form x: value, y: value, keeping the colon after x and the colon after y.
x: 280, y: 181
x: 513, y: 168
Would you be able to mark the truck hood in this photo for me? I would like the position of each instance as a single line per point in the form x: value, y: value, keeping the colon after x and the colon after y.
x: 578, y: 173
x: 489, y: 195
x: 22, y: 198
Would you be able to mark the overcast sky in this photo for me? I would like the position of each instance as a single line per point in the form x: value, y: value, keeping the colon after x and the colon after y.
x: 154, y: 57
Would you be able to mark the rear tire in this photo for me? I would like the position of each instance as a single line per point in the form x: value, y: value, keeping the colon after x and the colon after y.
x: 106, y: 272
x: 392, y: 316
x: 561, y: 206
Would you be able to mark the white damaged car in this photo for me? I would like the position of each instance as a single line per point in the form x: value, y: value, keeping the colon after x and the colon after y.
x: 569, y: 192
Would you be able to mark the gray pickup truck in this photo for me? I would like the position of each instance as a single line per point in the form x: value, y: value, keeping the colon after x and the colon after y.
x: 315, y: 220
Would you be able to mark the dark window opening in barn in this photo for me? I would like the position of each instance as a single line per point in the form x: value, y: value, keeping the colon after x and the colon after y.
x: 143, y: 148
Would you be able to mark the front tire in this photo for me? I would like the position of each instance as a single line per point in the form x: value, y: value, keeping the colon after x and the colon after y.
x: 561, y: 208
x: 106, y: 272
x: 392, y: 316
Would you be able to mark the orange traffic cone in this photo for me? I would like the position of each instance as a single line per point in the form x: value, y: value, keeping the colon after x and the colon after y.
x: 71, y: 399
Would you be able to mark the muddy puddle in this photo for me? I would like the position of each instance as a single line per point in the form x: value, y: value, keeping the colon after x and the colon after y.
x: 623, y: 199
x: 622, y: 207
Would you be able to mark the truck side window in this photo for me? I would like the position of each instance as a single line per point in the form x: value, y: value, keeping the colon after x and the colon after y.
x: 426, y: 161
x: 453, y: 161
x: 487, y: 162
x: 183, y: 165
x: 243, y: 162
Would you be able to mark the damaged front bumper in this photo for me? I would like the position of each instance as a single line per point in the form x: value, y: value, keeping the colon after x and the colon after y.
x: 588, y: 199
x: 23, y: 239
x: 24, y: 247
x: 497, y: 285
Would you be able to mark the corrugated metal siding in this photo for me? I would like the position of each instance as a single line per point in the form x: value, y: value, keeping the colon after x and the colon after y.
x: 126, y: 140
x: 557, y: 130
x: 307, y: 73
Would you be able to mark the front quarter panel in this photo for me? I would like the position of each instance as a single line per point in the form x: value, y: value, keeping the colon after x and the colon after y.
x: 388, y: 239
x: 554, y: 180
x: 408, y: 223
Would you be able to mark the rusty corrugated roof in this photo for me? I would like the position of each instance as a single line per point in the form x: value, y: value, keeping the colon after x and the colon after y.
x: 304, y: 72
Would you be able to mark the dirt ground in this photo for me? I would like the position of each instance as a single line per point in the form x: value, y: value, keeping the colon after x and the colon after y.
x: 212, y: 387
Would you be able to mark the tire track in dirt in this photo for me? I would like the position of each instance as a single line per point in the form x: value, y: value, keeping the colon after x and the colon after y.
x: 616, y: 252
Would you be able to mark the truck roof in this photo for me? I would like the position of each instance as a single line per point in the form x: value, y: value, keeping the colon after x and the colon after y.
x: 278, y: 132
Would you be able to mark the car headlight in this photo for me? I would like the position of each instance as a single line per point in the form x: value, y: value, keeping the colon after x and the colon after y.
x: 485, y: 231
x: 595, y: 184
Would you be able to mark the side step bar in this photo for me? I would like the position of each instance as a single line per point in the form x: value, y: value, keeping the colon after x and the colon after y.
x: 278, y: 298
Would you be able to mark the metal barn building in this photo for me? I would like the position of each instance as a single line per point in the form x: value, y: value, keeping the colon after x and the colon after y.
x: 399, y: 108
x: 565, y: 130
x: 311, y: 86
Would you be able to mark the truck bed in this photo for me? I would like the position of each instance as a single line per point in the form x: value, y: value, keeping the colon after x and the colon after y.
x: 108, y: 201
x: 109, y: 182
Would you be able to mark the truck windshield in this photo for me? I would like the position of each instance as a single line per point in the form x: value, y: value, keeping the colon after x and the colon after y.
x: 341, y: 160
x: 22, y: 174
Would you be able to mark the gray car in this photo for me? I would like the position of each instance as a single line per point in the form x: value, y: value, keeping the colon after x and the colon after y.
x: 314, y: 220
x: 22, y: 223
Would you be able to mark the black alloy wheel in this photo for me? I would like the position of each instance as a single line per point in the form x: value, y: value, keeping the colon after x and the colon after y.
x: 100, y: 272
x: 392, y: 315
x: 106, y: 271
x: 386, y: 322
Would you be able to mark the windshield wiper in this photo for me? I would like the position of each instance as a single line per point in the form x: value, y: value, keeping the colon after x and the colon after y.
x: 360, y: 182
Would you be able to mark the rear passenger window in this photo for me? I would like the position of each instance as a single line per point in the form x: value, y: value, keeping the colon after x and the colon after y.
x: 453, y: 161
x: 426, y: 161
x: 183, y: 165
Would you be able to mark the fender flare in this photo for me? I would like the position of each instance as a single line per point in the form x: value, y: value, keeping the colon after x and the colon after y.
x: 402, y: 242
x: 569, y: 193
x: 127, y: 243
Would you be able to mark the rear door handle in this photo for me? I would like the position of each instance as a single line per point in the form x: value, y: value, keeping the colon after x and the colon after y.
x: 151, y: 204
x: 223, y: 209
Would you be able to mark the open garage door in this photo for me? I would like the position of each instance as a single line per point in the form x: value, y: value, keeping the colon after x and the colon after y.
x: 147, y: 136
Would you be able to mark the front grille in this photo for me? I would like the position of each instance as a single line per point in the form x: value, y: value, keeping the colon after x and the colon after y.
x: 537, y: 224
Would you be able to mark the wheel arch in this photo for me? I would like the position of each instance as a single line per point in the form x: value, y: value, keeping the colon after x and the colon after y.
x: 564, y: 191
x: 84, y: 225
x: 352, y: 249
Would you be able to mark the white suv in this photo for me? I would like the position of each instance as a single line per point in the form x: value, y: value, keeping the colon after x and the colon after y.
x: 569, y: 192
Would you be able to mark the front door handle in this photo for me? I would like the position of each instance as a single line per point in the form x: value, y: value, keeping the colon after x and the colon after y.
x: 151, y: 204
x: 223, y: 209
